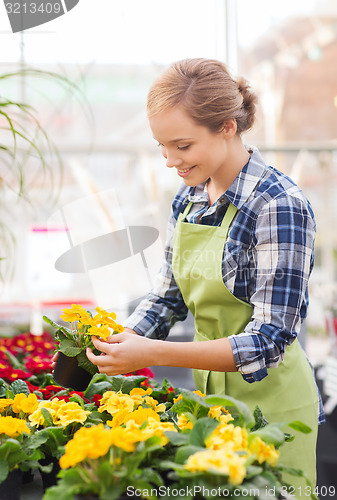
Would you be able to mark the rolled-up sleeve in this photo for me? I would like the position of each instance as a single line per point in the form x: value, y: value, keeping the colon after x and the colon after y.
x: 282, y: 253
x: 164, y: 305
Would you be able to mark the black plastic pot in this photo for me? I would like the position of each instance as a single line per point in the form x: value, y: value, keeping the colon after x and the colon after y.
x: 49, y: 478
x: 68, y: 374
x: 10, y: 488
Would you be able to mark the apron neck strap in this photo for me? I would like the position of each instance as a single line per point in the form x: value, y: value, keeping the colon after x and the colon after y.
x: 187, y: 209
x: 229, y: 216
x: 227, y: 219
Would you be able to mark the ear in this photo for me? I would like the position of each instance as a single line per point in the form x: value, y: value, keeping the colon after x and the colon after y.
x: 229, y: 128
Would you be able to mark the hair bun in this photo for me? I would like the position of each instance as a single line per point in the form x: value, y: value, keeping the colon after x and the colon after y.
x: 249, y: 100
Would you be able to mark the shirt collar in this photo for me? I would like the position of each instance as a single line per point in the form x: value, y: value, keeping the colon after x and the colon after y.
x: 242, y: 186
x: 245, y: 183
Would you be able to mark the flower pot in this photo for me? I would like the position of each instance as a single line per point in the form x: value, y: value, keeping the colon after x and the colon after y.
x: 49, y: 478
x: 68, y: 374
x: 10, y: 488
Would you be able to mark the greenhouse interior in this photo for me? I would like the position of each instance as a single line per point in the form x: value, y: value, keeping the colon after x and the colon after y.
x: 85, y: 202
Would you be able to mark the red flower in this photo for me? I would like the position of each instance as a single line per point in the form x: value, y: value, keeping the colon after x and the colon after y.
x: 11, y: 374
x: 37, y: 365
x: 97, y: 399
x: 146, y: 372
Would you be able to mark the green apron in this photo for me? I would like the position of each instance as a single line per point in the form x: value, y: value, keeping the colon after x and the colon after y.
x: 289, y: 391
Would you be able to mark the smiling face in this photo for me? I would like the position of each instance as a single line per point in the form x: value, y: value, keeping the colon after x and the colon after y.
x: 197, y: 153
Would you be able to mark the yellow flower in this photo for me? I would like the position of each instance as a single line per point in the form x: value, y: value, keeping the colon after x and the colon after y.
x: 114, y: 402
x: 36, y: 418
x: 69, y: 413
x: 175, y: 400
x: 88, y: 442
x: 153, y: 428
x: 104, y: 313
x: 228, y: 435
x: 13, y: 427
x: 119, y: 328
x: 201, y: 394
x: 99, y: 331
x: 264, y: 452
x: 142, y: 415
x: 153, y: 403
x: 159, y: 428
x: 5, y: 404
x: 26, y: 404
x: 183, y: 422
x: 225, y: 418
x: 221, y: 461
x: 74, y: 313
x: 126, y: 438
x: 138, y: 391
x: 220, y: 413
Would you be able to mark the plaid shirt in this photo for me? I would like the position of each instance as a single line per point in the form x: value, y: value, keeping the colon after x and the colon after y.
x: 267, y: 260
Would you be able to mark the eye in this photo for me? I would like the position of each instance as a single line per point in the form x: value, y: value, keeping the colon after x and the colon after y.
x: 183, y: 148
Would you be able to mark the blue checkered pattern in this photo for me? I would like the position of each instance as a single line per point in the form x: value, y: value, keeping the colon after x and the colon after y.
x: 267, y: 260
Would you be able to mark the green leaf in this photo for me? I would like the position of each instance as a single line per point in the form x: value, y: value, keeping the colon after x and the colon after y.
x: 13, y: 361
x: 201, y: 430
x: 69, y: 348
x: 191, y: 403
x: 271, y: 434
x: 77, y: 399
x: 48, y: 419
x: 3, y: 470
x: 85, y: 363
x: 185, y: 451
x: 177, y: 438
x: 260, y: 420
x: 299, y: 426
x: 97, y: 387
x: 61, y: 328
x: 246, y: 415
x: 18, y: 387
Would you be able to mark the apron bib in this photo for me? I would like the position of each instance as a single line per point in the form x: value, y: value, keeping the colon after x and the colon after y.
x: 289, y: 391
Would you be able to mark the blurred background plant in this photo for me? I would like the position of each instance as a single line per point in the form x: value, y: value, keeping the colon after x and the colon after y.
x: 31, y: 167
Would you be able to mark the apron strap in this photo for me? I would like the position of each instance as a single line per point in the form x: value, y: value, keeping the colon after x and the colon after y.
x: 227, y: 219
x: 229, y: 216
x: 187, y: 209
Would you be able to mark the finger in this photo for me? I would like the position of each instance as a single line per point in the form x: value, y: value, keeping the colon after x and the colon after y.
x: 116, y: 338
x: 100, y: 361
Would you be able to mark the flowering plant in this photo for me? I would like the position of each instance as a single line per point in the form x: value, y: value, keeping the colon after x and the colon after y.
x: 15, y: 446
x: 26, y: 356
x: 236, y: 454
x: 72, y: 341
x: 107, y: 458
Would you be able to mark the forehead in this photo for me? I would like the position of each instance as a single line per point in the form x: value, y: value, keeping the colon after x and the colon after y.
x: 173, y: 124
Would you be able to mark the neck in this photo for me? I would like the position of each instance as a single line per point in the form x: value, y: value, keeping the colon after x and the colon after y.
x: 237, y: 159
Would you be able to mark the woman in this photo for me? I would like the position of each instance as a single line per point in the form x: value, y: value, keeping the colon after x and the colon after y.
x: 238, y: 255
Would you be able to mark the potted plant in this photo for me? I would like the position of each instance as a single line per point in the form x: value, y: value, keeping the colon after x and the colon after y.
x: 17, y: 454
x: 222, y: 454
x: 73, y: 368
x: 121, y: 452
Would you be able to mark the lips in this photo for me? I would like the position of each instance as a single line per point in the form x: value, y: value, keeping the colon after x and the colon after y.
x: 184, y: 172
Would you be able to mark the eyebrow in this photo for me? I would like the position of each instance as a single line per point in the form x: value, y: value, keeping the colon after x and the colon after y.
x: 178, y: 140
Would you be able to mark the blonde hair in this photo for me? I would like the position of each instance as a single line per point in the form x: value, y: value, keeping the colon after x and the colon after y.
x: 206, y: 91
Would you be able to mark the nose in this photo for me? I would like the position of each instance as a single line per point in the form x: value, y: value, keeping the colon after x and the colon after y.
x: 172, y: 159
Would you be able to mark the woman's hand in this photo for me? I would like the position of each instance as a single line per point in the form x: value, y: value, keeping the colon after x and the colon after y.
x: 123, y: 353
x: 53, y: 361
